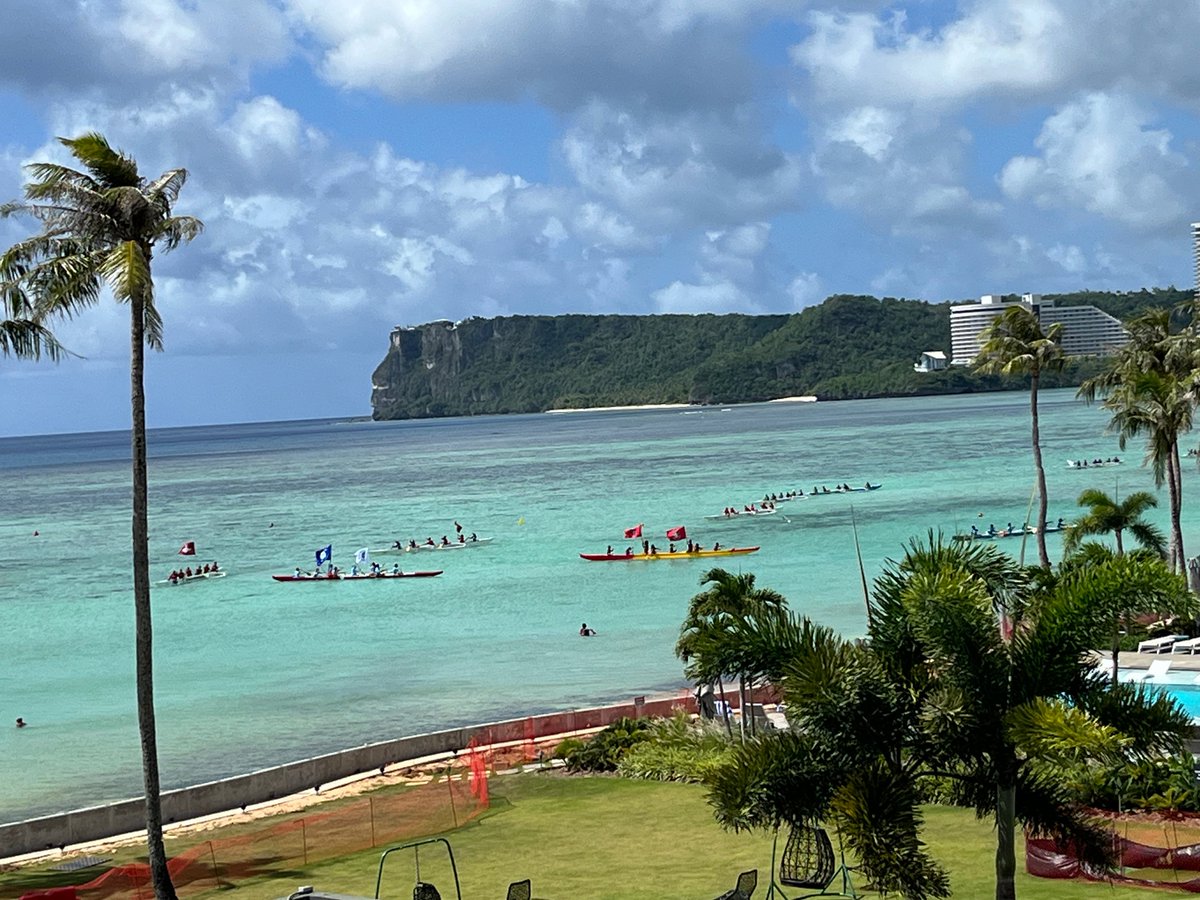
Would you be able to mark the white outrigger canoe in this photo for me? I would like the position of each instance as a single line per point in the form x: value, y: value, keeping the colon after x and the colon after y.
x: 453, y: 545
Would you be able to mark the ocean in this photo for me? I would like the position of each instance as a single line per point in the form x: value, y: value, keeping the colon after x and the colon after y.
x: 251, y: 673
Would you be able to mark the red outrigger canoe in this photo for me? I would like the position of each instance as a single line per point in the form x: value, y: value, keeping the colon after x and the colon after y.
x: 682, y: 554
x: 380, y: 577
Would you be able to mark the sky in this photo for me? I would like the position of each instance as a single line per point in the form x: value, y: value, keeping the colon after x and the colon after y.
x: 363, y: 164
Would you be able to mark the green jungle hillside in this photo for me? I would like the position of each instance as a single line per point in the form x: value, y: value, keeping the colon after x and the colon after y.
x: 848, y: 347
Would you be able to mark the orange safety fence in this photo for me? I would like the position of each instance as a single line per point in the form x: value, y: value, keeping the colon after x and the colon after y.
x: 453, y: 798
x: 1161, y: 852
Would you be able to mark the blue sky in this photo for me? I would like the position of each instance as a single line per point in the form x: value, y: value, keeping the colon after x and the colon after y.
x: 368, y: 163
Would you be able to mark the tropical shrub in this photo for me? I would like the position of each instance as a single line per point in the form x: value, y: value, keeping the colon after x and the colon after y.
x: 1167, y: 784
x: 679, y: 749
x: 604, y: 750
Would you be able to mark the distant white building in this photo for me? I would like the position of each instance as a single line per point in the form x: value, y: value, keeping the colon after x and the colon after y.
x: 1196, y: 254
x: 1087, y: 331
x: 931, y: 361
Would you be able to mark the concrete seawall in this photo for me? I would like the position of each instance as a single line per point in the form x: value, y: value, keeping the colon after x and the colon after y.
x: 99, y: 822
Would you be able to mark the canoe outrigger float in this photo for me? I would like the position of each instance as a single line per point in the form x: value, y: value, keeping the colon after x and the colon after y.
x: 682, y: 554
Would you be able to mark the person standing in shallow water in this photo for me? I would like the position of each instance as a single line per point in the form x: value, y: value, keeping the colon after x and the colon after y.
x: 584, y: 631
x: 21, y: 723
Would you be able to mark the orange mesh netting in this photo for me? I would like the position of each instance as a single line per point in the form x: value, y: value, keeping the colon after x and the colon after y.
x: 451, y: 799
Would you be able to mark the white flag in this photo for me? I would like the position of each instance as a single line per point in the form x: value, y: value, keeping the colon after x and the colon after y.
x: 363, y: 557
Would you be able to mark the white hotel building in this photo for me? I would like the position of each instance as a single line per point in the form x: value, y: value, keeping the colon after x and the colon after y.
x: 1087, y: 331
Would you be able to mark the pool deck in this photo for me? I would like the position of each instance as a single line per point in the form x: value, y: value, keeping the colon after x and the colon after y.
x: 1180, y: 662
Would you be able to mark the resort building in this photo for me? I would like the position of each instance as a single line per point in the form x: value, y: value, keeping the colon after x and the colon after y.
x: 1087, y: 331
x: 931, y: 361
x: 1196, y: 254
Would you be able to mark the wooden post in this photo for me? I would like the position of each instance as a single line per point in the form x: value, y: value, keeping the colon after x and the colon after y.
x: 304, y: 841
x: 450, y: 788
x: 371, y: 803
x: 213, y: 857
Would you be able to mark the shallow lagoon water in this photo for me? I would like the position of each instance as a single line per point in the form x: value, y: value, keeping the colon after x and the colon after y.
x: 251, y: 673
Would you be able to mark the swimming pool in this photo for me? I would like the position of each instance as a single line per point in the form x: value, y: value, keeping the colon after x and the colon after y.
x: 1183, y: 686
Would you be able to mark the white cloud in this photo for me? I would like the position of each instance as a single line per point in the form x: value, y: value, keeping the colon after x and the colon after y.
x: 718, y: 297
x: 698, y: 170
x: 806, y: 290
x: 869, y: 128
x: 1099, y: 154
x: 560, y: 52
x: 1026, y: 49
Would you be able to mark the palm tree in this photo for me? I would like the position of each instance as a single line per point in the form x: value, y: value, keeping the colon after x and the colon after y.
x: 701, y: 643
x: 1108, y: 516
x: 100, y: 227
x: 937, y: 693
x: 1014, y: 344
x: 1151, y: 390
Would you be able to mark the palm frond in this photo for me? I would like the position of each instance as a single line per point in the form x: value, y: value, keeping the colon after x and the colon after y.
x: 109, y: 167
x: 880, y: 820
x: 1050, y: 730
x: 777, y: 778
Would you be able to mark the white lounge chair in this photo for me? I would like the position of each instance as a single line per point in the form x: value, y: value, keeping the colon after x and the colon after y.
x: 1157, y: 670
x: 1190, y: 646
x: 1157, y: 645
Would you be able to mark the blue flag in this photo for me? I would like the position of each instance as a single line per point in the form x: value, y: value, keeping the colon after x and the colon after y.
x: 324, y: 555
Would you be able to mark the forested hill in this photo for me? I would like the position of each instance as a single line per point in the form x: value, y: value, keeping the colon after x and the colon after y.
x: 848, y: 347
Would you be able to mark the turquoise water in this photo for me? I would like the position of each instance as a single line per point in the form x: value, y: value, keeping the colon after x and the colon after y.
x: 1183, y: 686
x: 251, y: 673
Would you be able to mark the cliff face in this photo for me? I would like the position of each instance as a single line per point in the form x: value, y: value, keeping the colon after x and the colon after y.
x: 534, y: 363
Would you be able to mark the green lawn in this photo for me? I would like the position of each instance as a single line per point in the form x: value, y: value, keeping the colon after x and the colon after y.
x: 594, y: 838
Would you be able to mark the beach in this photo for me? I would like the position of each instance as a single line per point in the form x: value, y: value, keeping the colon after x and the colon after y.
x: 642, y: 406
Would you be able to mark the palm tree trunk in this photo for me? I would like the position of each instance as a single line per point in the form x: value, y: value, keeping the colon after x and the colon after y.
x: 1116, y: 649
x: 725, y: 708
x: 742, y: 706
x: 1006, y: 845
x: 1043, y: 556
x: 160, y: 876
x: 1175, y: 495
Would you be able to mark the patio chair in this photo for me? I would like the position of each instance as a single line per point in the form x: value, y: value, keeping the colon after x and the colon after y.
x: 1157, y: 669
x: 519, y: 890
x: 1156, y: 645
x: 746, y: 883
x: 1190, y: 646
x: 808, y: 862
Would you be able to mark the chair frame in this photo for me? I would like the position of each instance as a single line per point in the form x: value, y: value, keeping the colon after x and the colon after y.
x: 415, y: 847
x: 775, y: 889
x: 738, y: 892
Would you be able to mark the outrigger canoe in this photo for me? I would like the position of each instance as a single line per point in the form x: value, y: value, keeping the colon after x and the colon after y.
x: 742, y: 514
x: 195, y: 576
x: 380, y: 577
x: 682, y: 554
x: 452, y: 545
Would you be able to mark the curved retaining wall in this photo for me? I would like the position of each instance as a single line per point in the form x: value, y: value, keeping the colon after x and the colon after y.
x: 98, y: 822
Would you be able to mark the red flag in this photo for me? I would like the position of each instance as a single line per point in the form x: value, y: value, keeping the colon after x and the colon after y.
x: 676, y: 534
x: 634, y: 532
x: 188, y: 548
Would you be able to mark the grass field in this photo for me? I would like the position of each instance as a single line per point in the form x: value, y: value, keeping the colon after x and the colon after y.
x: 598, y: 838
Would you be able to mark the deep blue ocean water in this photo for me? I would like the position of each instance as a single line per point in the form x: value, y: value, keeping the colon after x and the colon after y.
x: 251, y: 673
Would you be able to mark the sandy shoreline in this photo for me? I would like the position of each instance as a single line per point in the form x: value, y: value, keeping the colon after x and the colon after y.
x: 623, y: 408
x: 798, y: 399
